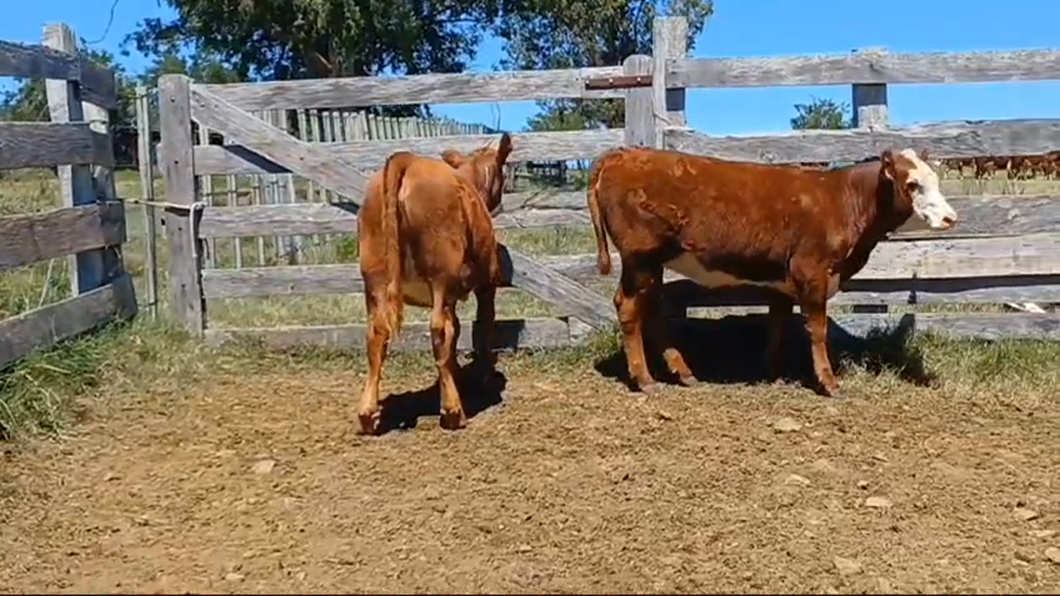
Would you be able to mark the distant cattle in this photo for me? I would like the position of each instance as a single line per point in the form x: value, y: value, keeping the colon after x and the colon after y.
x: 426, y: 239
x: 797, y: 231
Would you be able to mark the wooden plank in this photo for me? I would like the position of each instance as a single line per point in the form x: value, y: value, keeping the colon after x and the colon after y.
x: 38, y: 62
x: 684, y: 293
x: 346, y: 279
x: 945, y: 140
x: 960, y: 326
x: 355, y: 92
x: 639, y: 126
x: 185, y: 252
x: 334, y: 171
x: 562, y: 292
x: 551, y: 333
x: 27, y: 239
x: 371, y: 155
x: 510, y: 334
x: 47, y: 144
x: 944, y: 258
x: 980, y: 216
x: 42, y: 328
x: 867, y: 67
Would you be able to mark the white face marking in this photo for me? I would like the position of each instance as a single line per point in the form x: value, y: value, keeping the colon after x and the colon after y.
x: 689, y: 266
x: 928, y: 203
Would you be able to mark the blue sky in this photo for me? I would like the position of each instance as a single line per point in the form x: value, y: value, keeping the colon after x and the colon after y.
x: 738, y: 28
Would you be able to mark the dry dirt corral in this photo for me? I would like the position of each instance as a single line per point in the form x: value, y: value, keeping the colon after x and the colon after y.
x: 245, y: 476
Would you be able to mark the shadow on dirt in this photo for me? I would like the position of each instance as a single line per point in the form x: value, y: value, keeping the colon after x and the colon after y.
x: 479, y: 390
x: 732, y: 350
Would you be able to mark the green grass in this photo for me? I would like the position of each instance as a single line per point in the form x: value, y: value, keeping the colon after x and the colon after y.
x: 45, y: 393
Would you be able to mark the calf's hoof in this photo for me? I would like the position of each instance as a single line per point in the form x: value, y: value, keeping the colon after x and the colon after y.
x: 828, y: 389
x: 453, y: 420
x: 369, y: 421
x: 647, y: 387
x: 689, y: 380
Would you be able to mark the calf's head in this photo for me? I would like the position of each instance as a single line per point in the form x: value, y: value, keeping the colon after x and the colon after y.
x: 484, y: 167
x: 916, y: 189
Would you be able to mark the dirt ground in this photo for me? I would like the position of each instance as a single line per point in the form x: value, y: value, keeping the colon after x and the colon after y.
x: 229, y: 480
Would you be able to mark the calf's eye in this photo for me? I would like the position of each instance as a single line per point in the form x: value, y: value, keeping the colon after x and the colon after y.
x: 912, y: 186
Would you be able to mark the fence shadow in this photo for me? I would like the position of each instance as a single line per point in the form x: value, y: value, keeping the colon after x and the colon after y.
x: 732, y: 350
x: 479, y: 389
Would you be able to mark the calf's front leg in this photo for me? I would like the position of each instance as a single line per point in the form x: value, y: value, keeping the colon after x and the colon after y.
x: 816, y: 317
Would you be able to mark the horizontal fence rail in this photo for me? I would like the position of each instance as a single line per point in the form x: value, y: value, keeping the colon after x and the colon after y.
x: 97, y: 83
x: 866, y: 67
x: 980, y: 216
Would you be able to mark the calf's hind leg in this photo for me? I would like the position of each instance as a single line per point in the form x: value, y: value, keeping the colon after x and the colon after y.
x: 444, y: 333
x: 378, y: 341
x: 629, y: 306
x: 660, y: 333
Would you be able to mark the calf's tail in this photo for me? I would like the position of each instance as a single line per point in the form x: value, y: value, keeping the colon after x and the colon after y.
x: 603, y: 253
x: 393, y: 174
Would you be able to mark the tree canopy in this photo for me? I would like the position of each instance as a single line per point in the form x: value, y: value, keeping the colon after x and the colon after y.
x: 821, y: 113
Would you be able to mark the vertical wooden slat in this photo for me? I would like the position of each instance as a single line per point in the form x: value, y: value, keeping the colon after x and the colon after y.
x: 147, y: 186
x: 206, y: 187
x: 185, y: 264
x: 90, y: 269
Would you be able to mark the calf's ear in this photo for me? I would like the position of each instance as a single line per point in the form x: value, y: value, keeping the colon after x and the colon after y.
x: 453, y: 157
x: 887, y: 164
x: 504, y: 148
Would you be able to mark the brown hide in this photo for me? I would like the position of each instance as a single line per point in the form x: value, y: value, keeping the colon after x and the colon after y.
x: 798, y: 231
x: 426, y: 239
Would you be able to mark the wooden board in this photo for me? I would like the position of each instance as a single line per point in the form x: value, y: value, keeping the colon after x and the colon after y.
x: 335, y: 172
x: 429, y: 88
x: 38, y: 62
x: 945, y: 140
x: 871, y: 66
x: 47, y: 144
x: 42, y: 328
x: 27, y: 239
x: 510, y: 335
x: 979, y: 215
x: 371, y: 155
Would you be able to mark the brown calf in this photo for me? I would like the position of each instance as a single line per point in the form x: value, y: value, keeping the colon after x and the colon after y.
x: 796, y: 231
x: 426, y: 239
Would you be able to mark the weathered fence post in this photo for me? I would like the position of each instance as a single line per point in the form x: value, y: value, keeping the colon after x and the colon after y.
x: 640, y: 115
x: 79, y: 184
x: 869, y: 111
x: 869, y: 102
x: 178, y: 168
x: 147, y: 189
x: 669, y: 42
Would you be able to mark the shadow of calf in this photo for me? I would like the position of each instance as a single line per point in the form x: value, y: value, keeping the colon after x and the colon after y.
x: 479, y: 390
x: 732, y: 349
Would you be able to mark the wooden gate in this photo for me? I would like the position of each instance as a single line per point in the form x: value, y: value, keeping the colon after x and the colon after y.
x: 255, y: 146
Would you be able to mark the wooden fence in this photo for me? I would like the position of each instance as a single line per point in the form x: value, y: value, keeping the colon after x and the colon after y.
x: 1006, y: 248
x: 91, y: 223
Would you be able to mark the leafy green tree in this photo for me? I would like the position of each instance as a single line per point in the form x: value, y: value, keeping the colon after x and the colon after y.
x: 546, y: 34
x: 821, y: 114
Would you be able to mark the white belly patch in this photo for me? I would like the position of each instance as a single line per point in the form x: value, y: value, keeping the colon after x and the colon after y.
x: 689, y: 266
